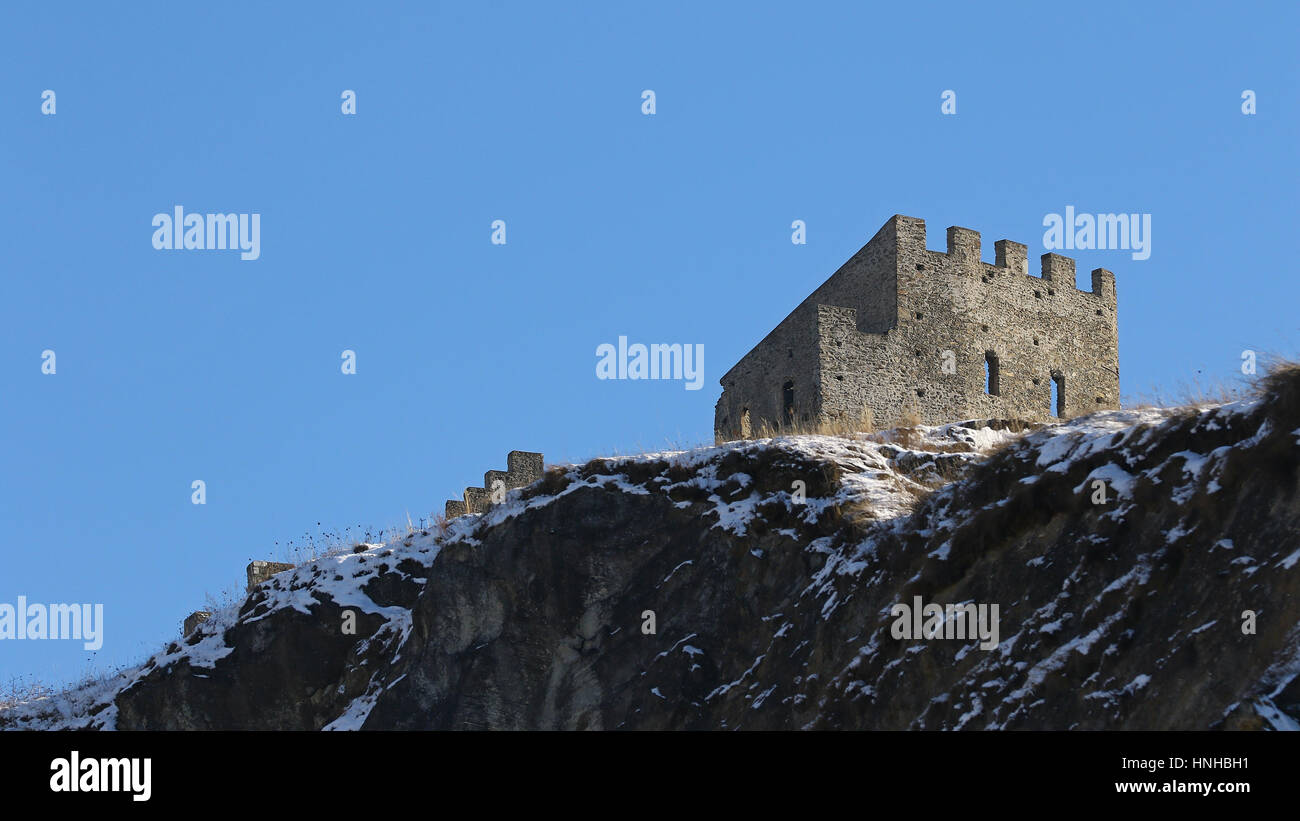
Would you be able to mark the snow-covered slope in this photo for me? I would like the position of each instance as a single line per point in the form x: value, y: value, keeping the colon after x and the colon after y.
x: 1121, y: 550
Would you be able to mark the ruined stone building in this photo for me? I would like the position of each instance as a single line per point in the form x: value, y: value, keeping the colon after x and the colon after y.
x: 523, y: 467
x: 901, y: 330
x: 257, y: 572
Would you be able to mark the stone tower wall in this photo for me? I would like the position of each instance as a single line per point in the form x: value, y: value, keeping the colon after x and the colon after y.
x: 900, y: 329
x: 522, y: 468
x: 865, y: 285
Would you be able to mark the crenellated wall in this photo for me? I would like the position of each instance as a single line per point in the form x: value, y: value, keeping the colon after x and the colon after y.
x: 900, y: 330
x: 260, y: 571
x: 194, y: 620
x: 256, y: 571
x: 522, y: 468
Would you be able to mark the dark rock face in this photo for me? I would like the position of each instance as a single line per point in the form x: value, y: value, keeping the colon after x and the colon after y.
x: 540, y: 626
x: 286, y: 669
x: 1122, y: 551
x: 1122, y: 614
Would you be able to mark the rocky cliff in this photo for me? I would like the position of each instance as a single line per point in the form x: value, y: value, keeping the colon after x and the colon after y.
x: 1145, y: 566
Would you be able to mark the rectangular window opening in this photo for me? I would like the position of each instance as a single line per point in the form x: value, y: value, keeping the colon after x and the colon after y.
x: 991, y: 386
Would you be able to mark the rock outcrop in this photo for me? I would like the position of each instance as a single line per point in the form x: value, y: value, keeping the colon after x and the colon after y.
x: 1145, y: 565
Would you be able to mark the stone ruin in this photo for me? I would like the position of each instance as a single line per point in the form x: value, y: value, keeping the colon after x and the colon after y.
x: 901, y: 330
x: 522, y: 468
x: 257, y: 571
x: 193, y: 620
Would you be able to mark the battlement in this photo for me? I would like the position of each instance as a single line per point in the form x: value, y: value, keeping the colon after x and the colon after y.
x: 257, y: 572
x: 193, y: 620
x: 903, y: 331
x: 964, y: 248
x: 260, y: 571
x: 1013, y: 256
x: 523, y: 467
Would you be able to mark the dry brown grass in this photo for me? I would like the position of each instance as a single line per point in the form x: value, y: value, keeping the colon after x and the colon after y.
x: 1279, y: 380
x: 906, y: 436
x: 841, y: 426
x: 909, y: 419
x: 1191, y: 394
x: 917, y: 490
x: 836, y: 426
x: 1009, y: 442
x: 1282, y: 384
x: 21, y: 689
x: 904, y: 430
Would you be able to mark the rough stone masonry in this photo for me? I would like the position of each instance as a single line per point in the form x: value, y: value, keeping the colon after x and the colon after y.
x: 901, y: 330
x: 523, y: 467
x: 260, y: 571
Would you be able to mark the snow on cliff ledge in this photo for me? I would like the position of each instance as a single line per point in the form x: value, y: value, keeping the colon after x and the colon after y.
x: 884, y: 474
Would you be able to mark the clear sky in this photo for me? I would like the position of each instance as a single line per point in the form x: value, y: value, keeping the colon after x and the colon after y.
x: 375, y: 237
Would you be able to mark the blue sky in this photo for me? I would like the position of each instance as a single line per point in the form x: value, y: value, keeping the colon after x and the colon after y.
x: 375, y: 237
